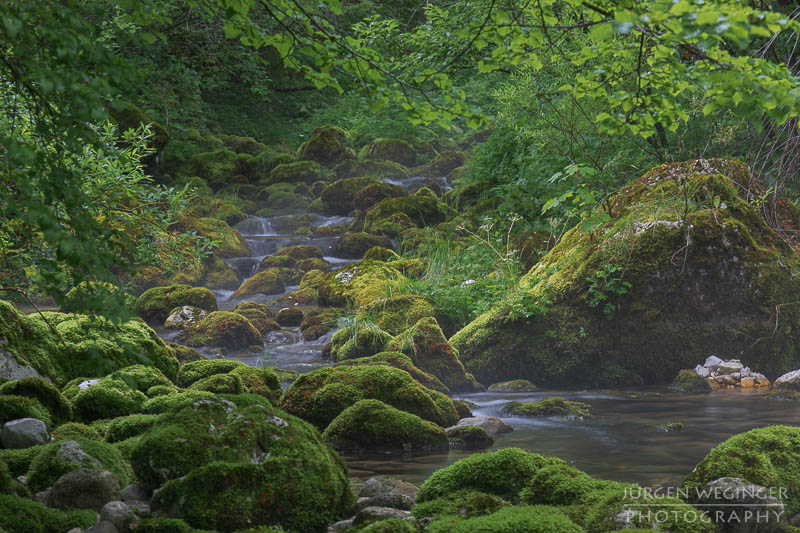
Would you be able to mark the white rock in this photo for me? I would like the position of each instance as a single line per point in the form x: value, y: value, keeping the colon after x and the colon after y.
x: 702, y: 371
x: 730, y: 367
x: 712, y: 362
x: 746, y: 372
x: 790, y: 380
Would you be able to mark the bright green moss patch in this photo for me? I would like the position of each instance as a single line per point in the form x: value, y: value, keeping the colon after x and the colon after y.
x: 516, y: 385
x: 19, y: 461
x: 265, y: 282
x: 555, y: 406
x: 462, y: 503
x: 220, y: 384
x: 75, y: 430
x: 338, y: 198
x: 373, y: 425
x: 108, y: 398
x: 20, y: 515
x: 56, y: 459
x: 43, y: 391
x: 125, y: 427
x: 403, y: 362
x: 261, y: 381
x: 361, y: 339
x: 156, y: 304
x: 226, y: 330
x: 536, y: 519
x: 15, y: 407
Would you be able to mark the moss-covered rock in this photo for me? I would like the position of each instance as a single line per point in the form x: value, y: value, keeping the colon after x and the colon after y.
x: 43, y: 391
x: 428, y: 348
x: 277, y: 261
x: 80, y: 342
x: 321, y: 395
x: 356, y: 285
x: 690, y: 381
x: 259, y: 315
x: 184, y: 354
x: 503, y: 473
x: 379, y: 253
x: 265, y: 282
x: 220, y: 275
x: 220, y: 384
x: 122, y: 428
x: 108, y: 398
x: 355, y: 245
x: 359, y: 339
x: 75, y: 430
x: 226, y: 330
x: 301, y: 251
x: 403, y: 362
x: 462, y: 504
x: 56, y: 459
x: 396, y: 150
x: 230, y: 242
x: 554, y: 406
x: 327, y: 146
x: 420, y: 210
x: 469, y: 437
x: 535, y: 519
x: 765, y: 456
x: 300, y: 172
x: 441, y: 165
x: 398, y: 313
x: 142, y: 377
x: 515, y: 385
x: 16, y: 407
x: 129, y: 116
x: 156, y: 304
x: 373, y: 193
x: 261, y: 381
x: 274, y: 467
x: 338, y: 198
x: 667, y: 311
x: 21, y: 515
x: 372, y: 425
x: 371, y: 167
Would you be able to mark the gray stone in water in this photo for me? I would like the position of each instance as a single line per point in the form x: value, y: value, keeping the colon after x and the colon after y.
x: 702, y: 371
x: 790, y: 380
x: 377, y: 513
x: 742, y: 507
x: 24, y: 433
x: 712, y: 362
x: 493, y: 425
x: 10, y: 368
x: 119, y: 514
x: 84, y: 488
x: 730, y: 367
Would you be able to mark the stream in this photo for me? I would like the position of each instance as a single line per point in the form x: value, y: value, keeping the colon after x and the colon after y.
x: 620, y: 442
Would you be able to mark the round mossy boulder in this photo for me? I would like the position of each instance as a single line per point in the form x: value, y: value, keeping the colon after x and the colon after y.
x: 21, y: 515
x: 44, y: 391
x: 107, y: 398
x: 533, y: 519
x: 327, y: 146
x: 515, y: 385
x: 289, y: 317
x: 56, y: 459
x: 441, y: 165
x: 371, y: 425
x: 420, y: 210
x: 230, y: 242
x: 141, y: 377
x: 379, y: 253
x: 379, y: 168
x: 554, y: 406
x: 469, y: 437
x: 265, y: 282
x: 321, y: 395
x: 301, y: 251
x: 259, y: 315
x: 220, y: 384
x: 125, y: 427
x: 300, y: 172
x: 75, y: 430
x: 156, y: 304
x: 690, y: 382
x: 396, y: 150
x: 503, y: 473
x: 396, y: 314
x: 462, y: 503
x: 403, y: 362
x: 15, y: 407
x: 338, y: 198
x: 197, y: 370
x: 274, y: 467
x: 360, y: 339
x: 375, y: 192
x: 355, y: 245
x: 225, y: 330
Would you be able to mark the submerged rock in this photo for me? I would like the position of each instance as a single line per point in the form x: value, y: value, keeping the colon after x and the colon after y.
x: 516, y: 385
x: 667, y: 310
x: 493, y: 425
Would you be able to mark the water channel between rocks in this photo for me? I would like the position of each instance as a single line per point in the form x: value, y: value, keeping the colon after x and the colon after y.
x: 620, y: 442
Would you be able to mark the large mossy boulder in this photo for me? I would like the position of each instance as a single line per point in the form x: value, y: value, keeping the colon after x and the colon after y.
x: 377, y: 168
x: 421, y: 211
x: 685, y: 267
x: 396, y: 150
x: 403, y: 362
x: 229, y: 242
x: 106, y: 398
x: 275, y: 468
x: 225, y: 330
x: 321, y: 395
x: 306, y: 172
x: 373, y: 193
x: 327, y: 145
x: 338, y: 198
x: 371, y: 425
x: 359, y: 339
x: 769, y: 457
x: 265, y: 282
x: 428, y: 348
x: 54, y: 460
x: 357, y: 285
x: 259, y: 315
x: 44, y: 392
x: 533, y: 519
x: 156, y: 304
x: 261, y: 381
x: 21, y: 515
x: 82, y: 342
x: 355, y: 245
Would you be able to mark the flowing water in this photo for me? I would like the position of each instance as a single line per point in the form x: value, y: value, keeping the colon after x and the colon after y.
x: 620, y: 442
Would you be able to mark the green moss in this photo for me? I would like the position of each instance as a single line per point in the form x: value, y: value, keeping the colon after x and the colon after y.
x: 463, y: 408
x: 19, y: 461
x: 313, y: 263
x: 373, y: 425
x: 224, y: 329
x: 302, y: 171
x: 674, y: 313
x: 230, y: 243
x: 20, y: 515
x: 503, y: 473
x: 371, y: 167
x: 16, y: 407
x: 220, y: 275
x: 265, y: 282
x: 462, y: 503
x: 421, y: 210
x: 220, y: 384
x: 554, y: 406
x: 184, y: 354
x: 320, y: 395
x: 562, y: 484
x: 361, y: 339
x: 165, y: 403
x: 43, y: 391
x: 6, y: 480
x: 296, y: 480
x: 765, y: 456
x: 372, y: 194
x: 338, y: 198
x: 56, y: 459
x: 403, y: 362
x: 108, y: 398
x: 379, y: 253
x: 390, y: 525
x: 396, y: 150
x: 430, y: 351
x: 129, y: 116
x: 75, y: 430
x: 261, y: 381
x: 95, y: 297
x: 516, y: 385
x: 141, y: 377
x: 301, y: 251
x: 689, y: 381
x: 441, y: 165
x: 355, y: 245
x: 156, y: 304
x: 358, y: 285
x: 536, y: 519
x: 327, y: 146
x: 125, y: 427
x: 164, y: 525
x: 83, y: 339
x: 277, y: 261
x: 396, y: 314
